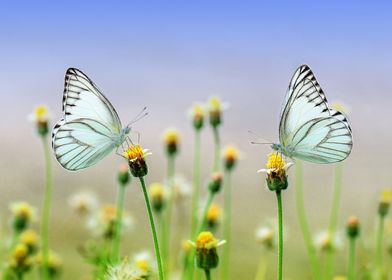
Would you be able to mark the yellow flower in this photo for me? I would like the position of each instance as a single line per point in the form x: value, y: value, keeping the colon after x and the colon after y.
x: 197, y: 114
x: 136, y: 160
x: 143, y: 261
x: 386, y: 196
x: 157, y: 195
x: 206, y: 253
x: 213, y: 214
x: 275, y: 161
x: 171, y: 138
x: 276, y: 172
x: 41, y: 114
x: 23, y: 213
x: 30, y: 239
x: 206, y: 240
x: 215, y: 104
x: 20, y: 253
x: 215, y: 107
x: 230, y: 156
x: 55, y: 263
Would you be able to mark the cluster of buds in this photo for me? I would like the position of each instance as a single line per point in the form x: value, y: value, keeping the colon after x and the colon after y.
x: 21, y: 260
x: 385, y: 202
x: 29, y: 238
x: 206, y: 250
x: 136, y: 157
x: 352, y: 227
x: 157, y: 197
x: 230, y: 157
x: 276, y: 172
x: 171, y: 138
x: 197, y: 114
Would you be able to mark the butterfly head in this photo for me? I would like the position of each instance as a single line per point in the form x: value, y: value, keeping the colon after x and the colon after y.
x: 276, y: 147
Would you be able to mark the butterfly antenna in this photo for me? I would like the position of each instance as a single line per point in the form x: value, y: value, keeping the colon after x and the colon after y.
x: 262, y: 142
x: 139, y: 116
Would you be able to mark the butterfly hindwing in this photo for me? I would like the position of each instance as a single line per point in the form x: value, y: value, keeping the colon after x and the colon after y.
x: 309, y: 129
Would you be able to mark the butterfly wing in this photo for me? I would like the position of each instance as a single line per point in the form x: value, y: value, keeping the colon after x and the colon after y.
x: 90, y: 125
x: 308, y: 128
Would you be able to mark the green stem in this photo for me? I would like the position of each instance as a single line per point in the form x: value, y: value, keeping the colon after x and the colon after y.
x: 119, y: 217
x: 333, y: 219
x: 379, y: 242
x: 217, y: 149
x: 227, y: 226
x: 351, y: 260
x: 304, y: 223
x: 262, y: 268
x: 153, y: 229
x: 195, y: 183
x: 200, y: 228
x: 46, y: 208
x: 169, y: 211
x: 208, y: 274
x: 280, y: 222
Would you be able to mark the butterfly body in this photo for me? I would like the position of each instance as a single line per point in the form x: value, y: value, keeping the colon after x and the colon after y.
x: 309, y: 130
x: 90, y: 128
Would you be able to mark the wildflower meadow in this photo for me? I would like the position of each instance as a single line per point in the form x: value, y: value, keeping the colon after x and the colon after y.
x: 167, y: 145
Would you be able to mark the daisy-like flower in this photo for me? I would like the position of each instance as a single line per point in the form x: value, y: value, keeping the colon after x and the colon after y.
x: 20, y: 260
x: 206, y: 250
x: 276, y: 172
x: 385, y: 202
x: 103, y: 223
x: 158, y: 196
x: 83, y: 202
x: 230, y: 157
x: 214, y: 213
x: 144, y: 265
x: 266, y: 235
x: 41, y: 118
x: 215, y: 108
x: 136, y: 156
x: 122, y: 271
x: 197, y: 114
x: 171, y: 138
x: 325, y: 242
x: 23, y: 214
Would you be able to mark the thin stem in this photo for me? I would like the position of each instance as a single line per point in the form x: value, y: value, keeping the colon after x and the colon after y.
x: 351, y: 260
x: 169, y: 211
x: 333, y: 219
x: 153, y: 229
x: 208, y: 274
x: 304, y: 222
x: 280, y: 222
x: 217, y: 149
x: 227, y: 225
x: 379, y: 241
x: 195, y: 182
x: 262, y: 268
x: 200, y: 228
x: 119, y: 217
x: 46, y: 208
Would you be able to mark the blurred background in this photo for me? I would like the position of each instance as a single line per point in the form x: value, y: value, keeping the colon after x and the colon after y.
x: 168, y: 54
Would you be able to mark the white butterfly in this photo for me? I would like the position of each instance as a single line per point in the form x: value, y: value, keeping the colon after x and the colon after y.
x: 90, y: 127
x: 309, y: 130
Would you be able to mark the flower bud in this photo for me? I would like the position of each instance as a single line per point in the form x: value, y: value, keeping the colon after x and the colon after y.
x: 230, y: 157
x: 352, y: 227
x: 276, y: 172
x: 215, y: 111
x: 23, y: 213
x: 136, y: 160
x: 216, y: 183
x: 123, y: 175
x: 213, y: 215
x: 197, y: 114
x: 41, y: 119
x: 157, y: 196
x: 385, y: 202
x: 206, y: 251
x: 171, y: 139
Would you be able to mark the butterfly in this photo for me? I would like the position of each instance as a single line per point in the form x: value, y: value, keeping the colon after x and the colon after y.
x: 309, y: 130
x: 90, y: 127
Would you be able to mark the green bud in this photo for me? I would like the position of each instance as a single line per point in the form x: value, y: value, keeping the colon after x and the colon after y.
x: 277, y: 181
x: 216, y: 183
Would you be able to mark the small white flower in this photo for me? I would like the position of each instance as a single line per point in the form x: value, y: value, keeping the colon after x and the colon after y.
x: 323, y: 241
x: 84, y: 202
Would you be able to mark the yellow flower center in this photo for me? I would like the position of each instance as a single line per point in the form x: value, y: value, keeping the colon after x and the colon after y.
x: 276, y: 161
x: 230, y: 153
x: 22, y: 209
x: 109, y: 212
x: 215, y: 103
x: 206, y: 240
x: 386, y: 197
x: 29, y: 237
x: 171, y: 136
x: 156, y: 190
x: 134, y: 152
x: 142, y: 264
x: 213, y: 212
x: 41, y: 113
x: 20, y: 252
x: 197, y: 111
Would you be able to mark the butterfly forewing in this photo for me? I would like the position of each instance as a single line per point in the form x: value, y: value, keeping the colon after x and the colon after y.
x: 90, y: 126
x: 308, y: 128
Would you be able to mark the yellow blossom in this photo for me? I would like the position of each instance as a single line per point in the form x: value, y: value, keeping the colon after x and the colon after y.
x: 20, y: 253
x: 386, y: 196
x: 22, y: 209
x: 29, y: 238
x: 215, y: 104
x: 206, y: 240
x: 41, y: 114
x: 135, y: 152
x: 276, y: 161
x: 213, y: 213
x: 156, y: 190
x: 171, y: 136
